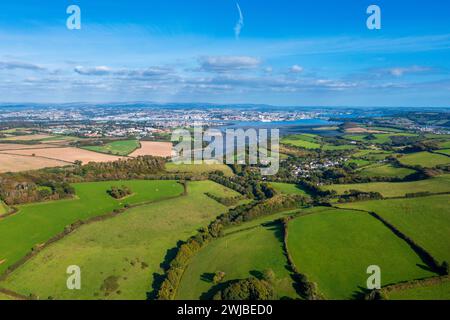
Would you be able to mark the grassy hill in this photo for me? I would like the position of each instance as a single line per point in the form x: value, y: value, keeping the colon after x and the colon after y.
x: 119, y: 256
x: 426, y: 220
x: 335, y: 247
x: 41, y: 221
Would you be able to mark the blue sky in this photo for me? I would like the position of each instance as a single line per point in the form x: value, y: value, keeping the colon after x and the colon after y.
x: 283, y: 52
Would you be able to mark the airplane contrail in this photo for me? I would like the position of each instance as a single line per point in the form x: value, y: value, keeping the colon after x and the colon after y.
x: 240, y: 23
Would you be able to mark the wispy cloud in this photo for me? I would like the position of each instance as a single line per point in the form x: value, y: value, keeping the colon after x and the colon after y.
x: 296, y: 69
x: 20, y: 65
x: 239, y: 24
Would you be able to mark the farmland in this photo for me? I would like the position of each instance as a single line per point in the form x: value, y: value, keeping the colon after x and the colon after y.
x: 302, y: 141
x: 426, y: 220
x: 198, y: 168
x: 386, y: 170
x: 397, y: 189
x: 425, y: 159
x: 239, y: 255
x: 118, y: 256
x: 157, y: 149
x: 41, y: 221
x: 118, y: 148
x: 324, y: 246
x: 17, y: 163
x: 287, y: 188
x: 66, y: 154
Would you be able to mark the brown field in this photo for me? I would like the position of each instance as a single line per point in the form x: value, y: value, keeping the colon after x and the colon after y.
x: 15, y: 163
x: 157, y: 149
x: 29, y: 137
x: 68, y: 154
x: 362, y: 130
x: 15, y: 146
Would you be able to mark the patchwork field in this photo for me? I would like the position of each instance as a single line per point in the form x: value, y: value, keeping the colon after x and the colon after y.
x: 440, y: 291
x: 287, y: 188
x: 324, y: 246
x: 68, y: 154
x: 34, y: 224
x: 198, y: 168
x: 118, y: 256
x: 118, y: 148
x: 386, y: 170
x: 150, y: 148
x: 425, y: 159
x: 397, y: 189
x: 426, y: 220
x: 17, y: 163
x: 445, y: 152
x: 239, y: 255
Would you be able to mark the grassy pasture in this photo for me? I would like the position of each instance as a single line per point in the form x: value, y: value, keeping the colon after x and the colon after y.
x: 3, y: 208
x: 330, y: 147
x: 444, y: 151
x: 426, y: 220
x: 335, y: 247
x: 397, y: 189
x: 198, y: 168
x: 425, y: 159
x: 239, y: 255
x: 306, y: 141
x: 119, y: 256
x: 287, y: 188
x: 119, y: 148
x: 439, y: 291
x: 386, y: 170
x: 34, y: 224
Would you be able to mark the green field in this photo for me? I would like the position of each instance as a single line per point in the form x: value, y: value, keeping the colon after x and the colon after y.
x: 330, y: 147
x: 372, y: 155
x: 4, y: 297
x: 426, y: 220
x: 440, y: 291
x: 118, y: 256
x: 397, y: 189
x: 287, y: 188
x: 335, y: 247
x: 386, y: 170
x: 425, y: 159
x: 444, y: 151
x: 34, y: 224
x: 359, y: 162
x: 120, y: 148
x: 239, y: 255
x: 198, y: 168
x: 445, y: 144
x: 3, y: 208
x: 302, y: 140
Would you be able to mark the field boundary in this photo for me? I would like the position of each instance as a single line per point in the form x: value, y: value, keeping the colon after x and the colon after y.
x: 414, y: 284
x: 12, y: 294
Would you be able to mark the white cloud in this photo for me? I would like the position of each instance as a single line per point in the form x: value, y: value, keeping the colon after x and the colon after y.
x: 296, y: 69
x: 20, y: 65
x: 228, y: 63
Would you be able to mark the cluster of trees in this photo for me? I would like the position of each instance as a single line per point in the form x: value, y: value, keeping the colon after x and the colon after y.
x: 26, y: 187
x: 228, y: 202
x: 356, y: 195
x: 251, y: 289
x: 119, y: 192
